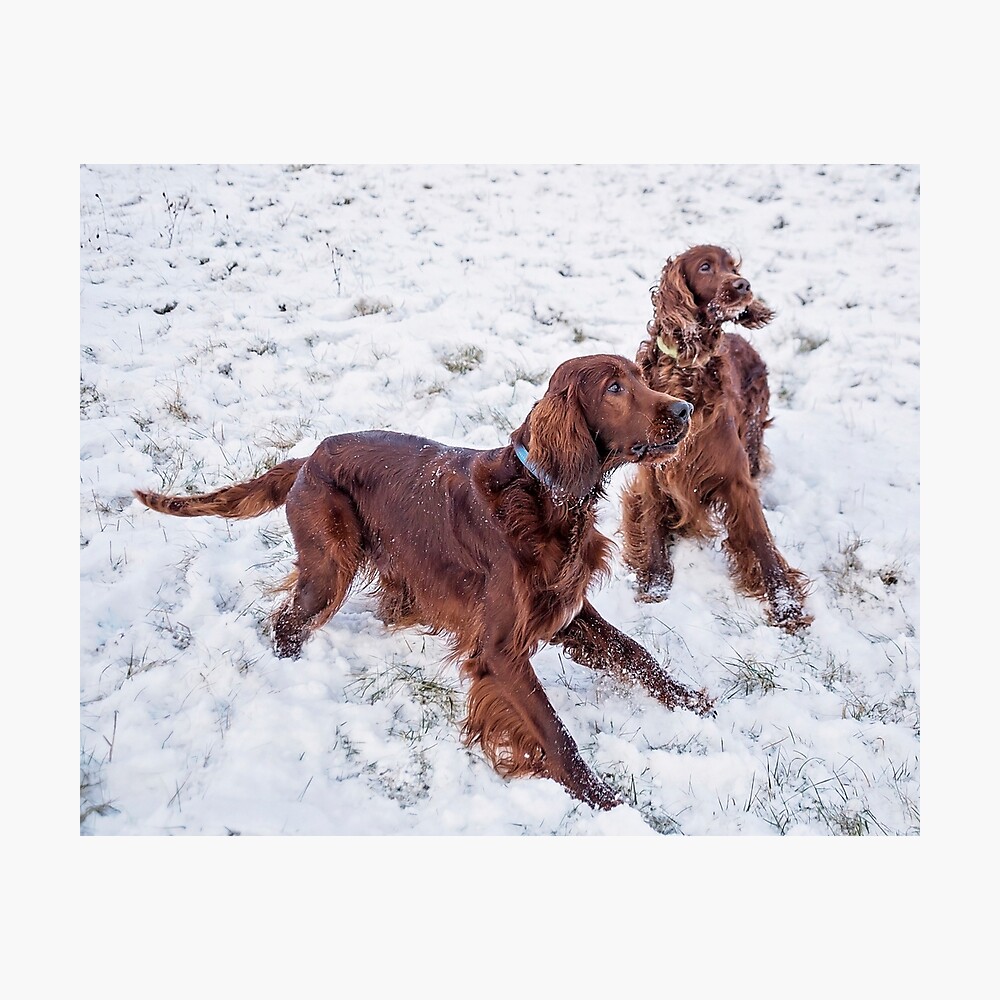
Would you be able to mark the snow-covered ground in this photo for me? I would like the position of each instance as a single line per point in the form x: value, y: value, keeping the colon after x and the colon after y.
x: 235, y: 315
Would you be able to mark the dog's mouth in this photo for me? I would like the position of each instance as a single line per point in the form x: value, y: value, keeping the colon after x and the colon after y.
x: 743, y: 316
x: 653, y: 451
x: 721, y: 311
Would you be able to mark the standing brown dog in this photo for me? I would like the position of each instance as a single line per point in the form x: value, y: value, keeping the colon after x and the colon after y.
x: 497, y: 548
x: 712, y: 479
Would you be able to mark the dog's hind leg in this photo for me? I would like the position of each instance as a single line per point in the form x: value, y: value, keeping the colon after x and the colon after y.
x: 513, y: 721
x: 329, y: 554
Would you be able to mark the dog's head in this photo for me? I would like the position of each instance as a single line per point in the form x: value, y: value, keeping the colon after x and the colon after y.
x: 699, y: 290
x: 597, y: 415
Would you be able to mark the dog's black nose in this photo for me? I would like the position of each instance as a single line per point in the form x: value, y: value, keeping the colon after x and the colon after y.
x: 682, y: 410
x: 741, y: 285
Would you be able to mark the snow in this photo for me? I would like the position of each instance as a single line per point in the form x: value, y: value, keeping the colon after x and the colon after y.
x: 579, y: 915
x: 231, y: 316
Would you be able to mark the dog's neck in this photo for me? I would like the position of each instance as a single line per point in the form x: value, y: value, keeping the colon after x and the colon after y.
x: 558, y: 494
x: 539, y: 474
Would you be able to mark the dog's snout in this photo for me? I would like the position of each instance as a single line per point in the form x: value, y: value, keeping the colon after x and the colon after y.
x: 741, y: 286
x: 682, y: 410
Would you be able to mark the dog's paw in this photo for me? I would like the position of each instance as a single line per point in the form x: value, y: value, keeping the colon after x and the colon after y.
x: 676, y: 695
x: 651, y: 591
x: 701, y: 703
x: 792, y: 624
x: 785, y: 610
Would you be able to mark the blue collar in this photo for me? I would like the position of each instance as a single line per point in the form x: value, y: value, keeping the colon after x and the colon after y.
x: 522, y: 454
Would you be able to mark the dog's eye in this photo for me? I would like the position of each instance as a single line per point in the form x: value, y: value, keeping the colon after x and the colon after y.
x: 614, y: 387
x: 705, y: 267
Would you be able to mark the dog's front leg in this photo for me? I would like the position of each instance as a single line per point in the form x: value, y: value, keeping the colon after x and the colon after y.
x: 646, y: 511
x: 758, y: 567
x: 593, y: 642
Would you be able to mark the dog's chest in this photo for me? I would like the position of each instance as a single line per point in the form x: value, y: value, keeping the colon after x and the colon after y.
x: 684, y: 382
x: 703, y: 387
x: 563, y: 574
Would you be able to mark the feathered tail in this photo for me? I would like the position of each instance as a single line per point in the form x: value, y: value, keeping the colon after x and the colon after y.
x: 251, y: 499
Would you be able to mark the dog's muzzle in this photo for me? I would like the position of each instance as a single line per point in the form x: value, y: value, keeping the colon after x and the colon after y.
x: 681, y: 412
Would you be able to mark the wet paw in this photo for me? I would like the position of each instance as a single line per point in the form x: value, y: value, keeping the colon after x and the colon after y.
x: 791, y: 625
x: 700, y: 703
x: 651, y: 591
x: 785, y: 610
x: 676, y: 695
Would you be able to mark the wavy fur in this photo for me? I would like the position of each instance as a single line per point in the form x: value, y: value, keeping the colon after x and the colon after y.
x: 711, y: 485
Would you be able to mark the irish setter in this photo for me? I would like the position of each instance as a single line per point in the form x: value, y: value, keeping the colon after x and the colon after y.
x: 711, y: 483
x: 497, y: 548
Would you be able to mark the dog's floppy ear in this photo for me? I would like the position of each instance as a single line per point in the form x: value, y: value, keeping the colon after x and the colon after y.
x: 673, y: 304
x: 755, y: 315
x: 561, y: 445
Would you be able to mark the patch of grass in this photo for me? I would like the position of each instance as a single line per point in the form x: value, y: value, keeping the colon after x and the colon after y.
x: 549, y: 318
x: 859, y: 706
x: 345, y: 743
x: 738, y: 618
x: 261, y: 346
x: 170, y: 462
x: 797, y: 786
x: 425, y: 704
x: 750, y: 674
x: 850, y: 578
x: 494, y: 417
x: 176, y: 407
x: 267, y: 461
x: 463, y: 360
x: 138, y: 663
x: 176, y: 208
x: 834, y: 673
x: 806, y: 343
x: 639, y: 795
x: 109, y: 510
x: 178, y: 633
x: 785, y: 393
x: 843, y: 573
x: 903, y: 781
x: 434, y: 389
x: 901, y: 708
x: 523, y: 375
x: 438, y: 701
x: 282, y: 435
x: 891, y: 575
x: 406, y: 785
x: 206, y: 350
x: 90, y: 396
x: 369, y: 307
x: 92, y: 800
x: 275, y: 535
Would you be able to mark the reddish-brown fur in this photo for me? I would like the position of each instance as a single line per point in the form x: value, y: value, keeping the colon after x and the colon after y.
x: 711, y: 483
x: 496, y: 551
